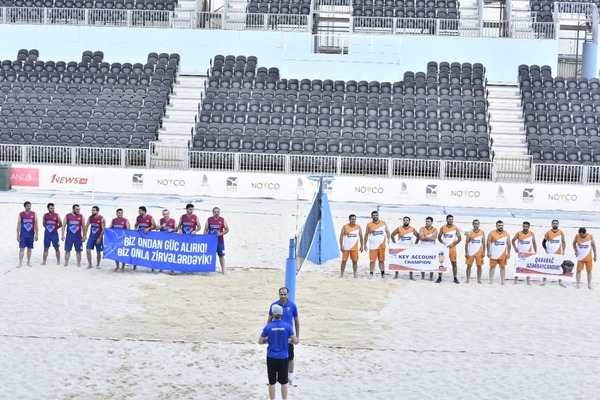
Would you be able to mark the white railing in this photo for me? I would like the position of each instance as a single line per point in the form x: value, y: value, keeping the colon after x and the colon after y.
x: 333, y: 5
x: 266, y: 22
x: 330, y: 43
x: 178, y: 158
x: 575, y: 11
x: 72, y: 155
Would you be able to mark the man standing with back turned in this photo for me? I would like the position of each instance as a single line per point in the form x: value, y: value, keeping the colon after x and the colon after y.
x: 278, y: 334
x: 290, y: 315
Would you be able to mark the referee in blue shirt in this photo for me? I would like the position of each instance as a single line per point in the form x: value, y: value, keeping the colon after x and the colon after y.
x: 277, y: 334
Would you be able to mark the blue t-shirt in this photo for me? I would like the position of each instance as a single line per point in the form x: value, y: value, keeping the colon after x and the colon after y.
x: 290, y: 311
x: 278, y: 333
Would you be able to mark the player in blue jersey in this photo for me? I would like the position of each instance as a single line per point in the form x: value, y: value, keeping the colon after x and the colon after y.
x: 290, y: 315
x: 278, y: 334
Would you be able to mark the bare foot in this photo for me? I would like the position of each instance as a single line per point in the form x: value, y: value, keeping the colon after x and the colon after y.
x: 29, y: 264
x: 479, y: 281
x: 543, y: 284
x: 116, y: 269
x: 412, y: 278
x: 19, y: 266
x: 562, y: 284
x: 590, y: 287
x: 577, y: 287
x: 65, y: 265
x: 516, y: 281
x: 89, y: 267
x: 467, y: 281
x: 501, y: 283
x: 528, y: 283
x: 43, y: 263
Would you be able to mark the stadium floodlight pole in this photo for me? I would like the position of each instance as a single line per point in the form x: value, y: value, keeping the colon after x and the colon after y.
x: 290, y: 271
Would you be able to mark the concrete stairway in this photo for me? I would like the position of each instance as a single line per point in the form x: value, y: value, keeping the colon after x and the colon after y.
x: 468, y: 24
x: 509, y: 144
x: 171, y: 149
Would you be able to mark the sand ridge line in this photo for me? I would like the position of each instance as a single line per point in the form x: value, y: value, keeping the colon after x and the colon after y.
x: 363, y: 348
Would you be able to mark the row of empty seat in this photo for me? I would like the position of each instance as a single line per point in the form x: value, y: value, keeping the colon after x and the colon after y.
x: 124, y: 105
x: 94, y: 4
x: 561, y: 122
x: 279, y: 111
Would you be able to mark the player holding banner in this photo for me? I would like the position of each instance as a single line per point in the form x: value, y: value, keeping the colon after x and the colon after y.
x: 350, y: 235
x: 498, y: 249
x: 407, y: 235
x: 584, y: 245
x: 450, y: 236
x: 427, y: 236
x: 475, y: 250
x: 524, y: 242
x: 554, y: 243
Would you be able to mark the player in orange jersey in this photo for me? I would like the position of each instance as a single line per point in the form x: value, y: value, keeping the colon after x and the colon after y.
x: 450, y: 236
x: 475, y: 250
x: 350, y: 236
x: 498, y: 249
x: 584, y: 246
x: 377, y: 235
x: 407, y: 235
x: 524, y: 242
x: 554, y: 243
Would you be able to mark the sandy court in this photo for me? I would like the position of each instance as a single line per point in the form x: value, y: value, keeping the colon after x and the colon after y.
x: 96, y: 334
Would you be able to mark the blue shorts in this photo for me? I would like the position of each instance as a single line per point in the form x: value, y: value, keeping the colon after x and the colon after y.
x: 221, y: 249
x: 73, y: 241
x: 51, y: 239
x: 26, y: 242
x: 91, y: 243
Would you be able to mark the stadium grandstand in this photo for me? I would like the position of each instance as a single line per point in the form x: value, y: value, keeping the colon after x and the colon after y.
x: 502, y: 91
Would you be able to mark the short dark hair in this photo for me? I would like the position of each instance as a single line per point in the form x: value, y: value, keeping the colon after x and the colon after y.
x: 49, y: 205
x: 374, y: 212
x: 351, y: 215
x: 499, y: 222
x: 96, y: 208
x: 429, y: 219
x: 449, y: 216
x: 27, y: 203
x: 119, y: 209
x: 283, y: 288
x: 142, y: 208
x: 189, y: 205
x: 476, y: 220
x: 406, y: 216
x: 582, y: 230
x: 74, y: 205
x: 526, y: 223
x: 555, y: 220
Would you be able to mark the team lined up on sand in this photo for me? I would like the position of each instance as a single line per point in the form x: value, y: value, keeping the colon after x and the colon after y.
x: 75, y: 231
x: 497, y: 246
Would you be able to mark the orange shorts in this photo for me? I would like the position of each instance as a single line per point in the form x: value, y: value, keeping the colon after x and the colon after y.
x: 498, y: 261
x: 352, y: 254
x: 378, y: 254
x: 584, y: 263
x: 452, y: 253
x: 478, y: 259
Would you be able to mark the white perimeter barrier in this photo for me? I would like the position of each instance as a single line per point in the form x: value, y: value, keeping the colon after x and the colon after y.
x: 290, y: 187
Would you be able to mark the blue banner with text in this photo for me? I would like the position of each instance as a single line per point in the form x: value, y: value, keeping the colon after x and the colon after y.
x: 162, y: 250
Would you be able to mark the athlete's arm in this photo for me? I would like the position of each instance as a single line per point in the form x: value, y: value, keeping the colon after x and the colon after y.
x: 575, y: 246
x: 59, y: 223
x: 439, y: 237
x: 360, y: 235
x: 103, y: 223
x: 85, y: 228
x: 206, y: 227
x: 467, y: 244
x: 533, y: 242
x: 458, y: 236
x: 225, y: 228
x: 127, y: 225
x: 394, y: 233
x: 62, y: 229
x: 342, y: 239
x: 366, y: 237
x: 297, y: 326
x: 387, y: 232
x: 197, y: 227
x: 19, y: 228
x: 152, y: 225
x: 544, y: 242
x: 180, y: 225
x: 35, y: 226
x: 482, y: 246
x: 563, y: 243
x: 594, y: 249
x: 263, y: 340
x: 514, y: 241
x: 507, y: 249
x: 489, y: 243
x: 416, y: 235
